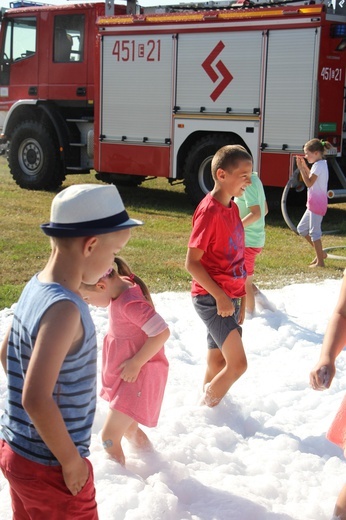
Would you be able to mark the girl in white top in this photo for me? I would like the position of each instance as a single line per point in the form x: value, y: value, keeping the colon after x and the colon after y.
x: 316, y: 181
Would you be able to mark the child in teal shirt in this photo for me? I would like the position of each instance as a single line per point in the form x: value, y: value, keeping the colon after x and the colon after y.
x: 253, y: 209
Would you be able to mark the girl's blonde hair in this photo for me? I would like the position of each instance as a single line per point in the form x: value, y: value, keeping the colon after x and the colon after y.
x: 318, y: 145
x: 123, y: 269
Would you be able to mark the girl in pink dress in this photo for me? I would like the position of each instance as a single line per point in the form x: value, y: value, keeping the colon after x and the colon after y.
x: 134, y: 365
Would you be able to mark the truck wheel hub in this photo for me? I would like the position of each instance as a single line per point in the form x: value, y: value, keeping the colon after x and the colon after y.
x: 30, y: 156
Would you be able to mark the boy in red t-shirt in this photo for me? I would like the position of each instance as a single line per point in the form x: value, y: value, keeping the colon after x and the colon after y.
x: 215, y: 259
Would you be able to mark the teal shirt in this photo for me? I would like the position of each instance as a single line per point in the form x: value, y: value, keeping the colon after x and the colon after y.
x: 253, y: 196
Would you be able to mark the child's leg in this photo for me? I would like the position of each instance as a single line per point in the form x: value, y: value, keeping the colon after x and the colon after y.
x: 250, y: 294
x: 340, y: 506
x: 250, y: 289
x: 314, y: 238
x: 318, y: 261
x: 215, y: 363
x: 235, y: 365
x: 115, y: 426
x: 136, y: 436
x: 304, y: 229
x: 320, y: 254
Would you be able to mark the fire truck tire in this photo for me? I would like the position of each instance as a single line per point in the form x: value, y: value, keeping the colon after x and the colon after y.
x: 33, y: 157
x: 197, y: 172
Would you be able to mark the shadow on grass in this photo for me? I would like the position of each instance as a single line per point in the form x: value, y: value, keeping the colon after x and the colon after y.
x: 147, y: 197
x: 164, y: 198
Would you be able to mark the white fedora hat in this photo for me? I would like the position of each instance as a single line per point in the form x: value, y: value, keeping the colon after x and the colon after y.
x: 87, y: 209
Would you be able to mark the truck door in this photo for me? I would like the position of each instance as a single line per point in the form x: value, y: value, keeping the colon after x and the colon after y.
x: 19, y: 59
x: 219, y: 78
x: 136, y: 103
x: 291, y: 89
x: 220, y: 72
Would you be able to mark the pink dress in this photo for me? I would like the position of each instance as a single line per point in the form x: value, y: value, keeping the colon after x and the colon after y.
x: 337, y: 430
x: 131, y: 320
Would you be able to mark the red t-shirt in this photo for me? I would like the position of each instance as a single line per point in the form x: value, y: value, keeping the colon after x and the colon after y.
x: 219, y: 232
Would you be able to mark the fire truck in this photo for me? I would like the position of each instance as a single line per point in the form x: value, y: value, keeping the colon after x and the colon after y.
x: 154, y: 93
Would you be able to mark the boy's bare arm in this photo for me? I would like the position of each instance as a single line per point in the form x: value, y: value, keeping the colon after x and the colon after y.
x: 60, y: 329
x: 3, y: 350
x: 193, y: 264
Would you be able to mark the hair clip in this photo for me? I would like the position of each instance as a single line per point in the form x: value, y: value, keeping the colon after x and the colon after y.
x: 107, y: 273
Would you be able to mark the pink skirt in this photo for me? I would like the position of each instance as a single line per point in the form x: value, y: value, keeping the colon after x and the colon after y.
x: 337, y: 430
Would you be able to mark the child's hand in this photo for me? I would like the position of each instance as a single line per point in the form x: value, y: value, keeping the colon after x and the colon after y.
x: 130, y: 370
x: 75, y: 476
x: 300, y: 160
x: 225, y: 306
x: 321, y: 376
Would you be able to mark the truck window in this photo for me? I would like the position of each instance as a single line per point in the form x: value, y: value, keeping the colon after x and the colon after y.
x: 20, y: 39
x: 68, y: 38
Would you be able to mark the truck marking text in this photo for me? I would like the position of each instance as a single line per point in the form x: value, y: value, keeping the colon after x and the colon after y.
x: 130, y: 50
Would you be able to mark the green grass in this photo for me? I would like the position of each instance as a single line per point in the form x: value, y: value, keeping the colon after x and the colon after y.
x: 156, y: 251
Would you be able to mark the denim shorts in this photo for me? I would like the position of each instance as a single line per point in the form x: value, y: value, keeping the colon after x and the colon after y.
x: 218, y: 327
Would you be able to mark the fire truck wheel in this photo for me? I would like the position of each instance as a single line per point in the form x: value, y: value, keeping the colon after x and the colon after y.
x: 33, y: 157
x: 198, y: 180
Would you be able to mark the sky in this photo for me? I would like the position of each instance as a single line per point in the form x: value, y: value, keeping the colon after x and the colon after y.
x: 261, y: 454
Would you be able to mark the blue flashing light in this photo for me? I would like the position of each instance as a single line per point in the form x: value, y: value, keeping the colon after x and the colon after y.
x: 25, y: 3
x: 338, y: 31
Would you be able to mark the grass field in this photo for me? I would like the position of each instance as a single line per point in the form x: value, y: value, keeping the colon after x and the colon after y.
x: 156, y: 251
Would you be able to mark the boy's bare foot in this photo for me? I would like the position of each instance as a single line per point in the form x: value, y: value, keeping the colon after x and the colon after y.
x: 209, y: 399
x: 317, y: 265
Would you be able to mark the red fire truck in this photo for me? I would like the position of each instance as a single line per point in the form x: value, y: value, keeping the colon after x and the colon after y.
x: 155, y: 94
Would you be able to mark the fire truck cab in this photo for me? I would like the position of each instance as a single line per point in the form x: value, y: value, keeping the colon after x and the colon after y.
x: 47, y: 62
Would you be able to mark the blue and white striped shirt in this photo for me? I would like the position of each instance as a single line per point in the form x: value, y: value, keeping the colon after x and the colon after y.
x: 75, y: 389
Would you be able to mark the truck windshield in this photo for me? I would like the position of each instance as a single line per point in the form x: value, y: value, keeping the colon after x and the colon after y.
x: 20, y: 39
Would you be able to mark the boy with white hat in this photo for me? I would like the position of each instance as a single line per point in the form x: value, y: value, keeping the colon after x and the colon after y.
x: 49, y: 355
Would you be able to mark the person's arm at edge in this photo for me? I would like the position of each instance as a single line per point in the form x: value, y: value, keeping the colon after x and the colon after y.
x: 333, y: 342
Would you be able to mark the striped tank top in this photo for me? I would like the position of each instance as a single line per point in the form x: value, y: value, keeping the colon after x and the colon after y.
x: 75, y: 389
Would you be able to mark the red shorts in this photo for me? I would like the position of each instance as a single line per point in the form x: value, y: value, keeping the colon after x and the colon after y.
x: 250, y: 257
x: 39, y: 492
